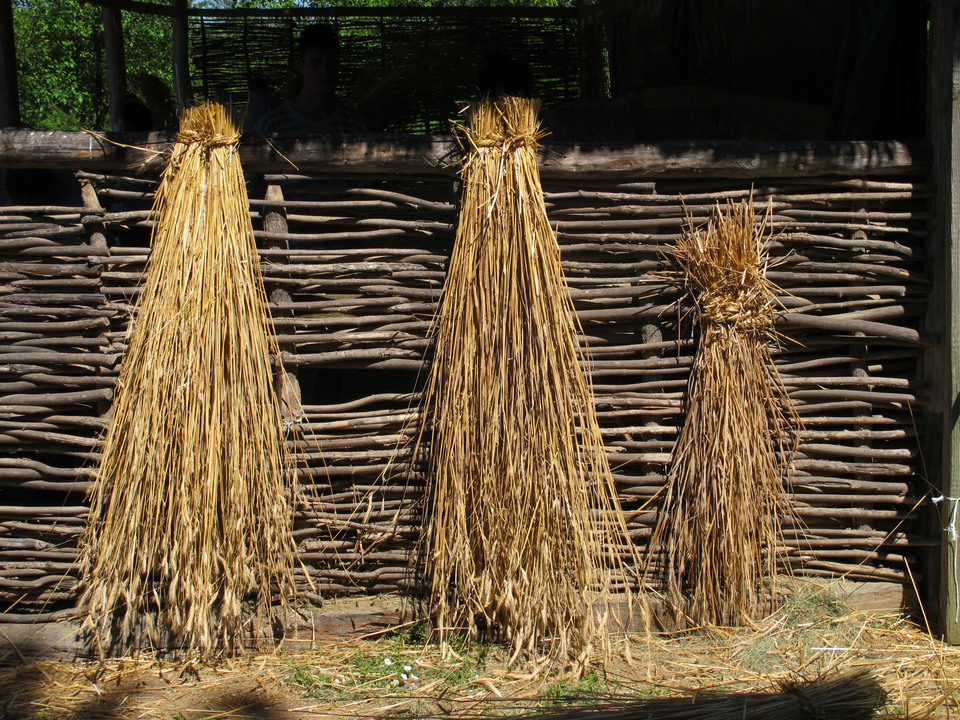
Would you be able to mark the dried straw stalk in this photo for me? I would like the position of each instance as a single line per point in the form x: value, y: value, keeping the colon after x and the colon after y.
x: 524, y: 513
x: 719, y: 522
x: 191, y: 511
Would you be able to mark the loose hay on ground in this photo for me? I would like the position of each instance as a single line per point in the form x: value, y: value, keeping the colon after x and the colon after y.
x: 802, y: 641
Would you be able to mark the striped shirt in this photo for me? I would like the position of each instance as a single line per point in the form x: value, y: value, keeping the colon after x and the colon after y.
x: 285, y: 120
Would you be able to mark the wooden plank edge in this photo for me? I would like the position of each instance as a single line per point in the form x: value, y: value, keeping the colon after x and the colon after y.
x: 418, y: 155
x: 367, y: 617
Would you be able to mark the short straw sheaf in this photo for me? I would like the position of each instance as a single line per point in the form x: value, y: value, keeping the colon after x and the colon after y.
x: 525, y: 533
x: 191, y: 512
x: 719, y: 522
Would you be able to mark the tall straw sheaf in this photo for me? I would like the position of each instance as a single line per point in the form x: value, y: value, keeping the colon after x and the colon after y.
x: 719, y: 522
x: 191, y: 512
x: 525, y: 529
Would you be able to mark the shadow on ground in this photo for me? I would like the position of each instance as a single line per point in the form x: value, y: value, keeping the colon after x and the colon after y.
x: 850, y: 696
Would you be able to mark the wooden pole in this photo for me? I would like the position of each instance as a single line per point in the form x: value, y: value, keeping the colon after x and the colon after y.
x: 116, y: 63
x: 943, y: 363
x: 589, y: 38
x: 9, y: 97
x: 414, y: 155
x: 181, y: 55
x: 286, y: 382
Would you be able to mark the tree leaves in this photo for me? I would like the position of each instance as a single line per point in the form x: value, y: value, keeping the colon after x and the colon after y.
x: 61, y: 66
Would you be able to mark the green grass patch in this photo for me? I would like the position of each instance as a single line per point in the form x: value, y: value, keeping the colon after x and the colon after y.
x: 584, y: 689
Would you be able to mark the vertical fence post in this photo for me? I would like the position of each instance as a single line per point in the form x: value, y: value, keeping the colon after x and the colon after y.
x: 181, y: 54
x: 116, y: 62
x: 590, y: 42
x: 98, y: 242
x: 275, y: 221
x: 9, y: 92
x: 942, y: 366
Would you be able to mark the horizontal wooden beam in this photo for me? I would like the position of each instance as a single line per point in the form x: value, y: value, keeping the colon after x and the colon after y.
x: 155, y: 8
x: 540, y: 13
x: 137, y: 6
x: 418, y: 155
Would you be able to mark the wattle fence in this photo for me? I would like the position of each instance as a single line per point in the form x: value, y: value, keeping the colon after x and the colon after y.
x: 354, y: 253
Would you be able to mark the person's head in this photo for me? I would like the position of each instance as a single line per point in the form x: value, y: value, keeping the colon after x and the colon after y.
x: 318, y: 59
x: 133, y: 115
x: 158, y: 98
x: 501, y: 72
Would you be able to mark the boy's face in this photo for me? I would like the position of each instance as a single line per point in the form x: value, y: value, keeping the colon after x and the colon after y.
x: 319, y: 71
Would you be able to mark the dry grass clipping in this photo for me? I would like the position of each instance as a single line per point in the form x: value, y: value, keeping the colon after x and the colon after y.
x: 524, y: 522
x: 805, y: 641
x: 191, y: 511
x: 719, y: 522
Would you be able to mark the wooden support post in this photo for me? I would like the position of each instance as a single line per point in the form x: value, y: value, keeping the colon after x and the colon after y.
x: 9, y: 97
x: 98, y: 240
x: 116, y: 63
x: 942, y: 366
x: 181, y: 55
x: 286, y: 381
x: 590, y: 38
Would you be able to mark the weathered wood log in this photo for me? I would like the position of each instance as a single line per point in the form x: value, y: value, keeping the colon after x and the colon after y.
x: 39, y: 617
x: 420, y: 155
x: 840, y: 324
x: 77, y: 511
x: 50, y: 400
x: 52, y: 357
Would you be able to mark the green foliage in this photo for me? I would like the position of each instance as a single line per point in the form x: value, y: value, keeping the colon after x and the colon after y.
x: 61, y: 71
x: 251, y: 4
x: 61, y: 66
x: 148, y: 48
x: 60, y: 53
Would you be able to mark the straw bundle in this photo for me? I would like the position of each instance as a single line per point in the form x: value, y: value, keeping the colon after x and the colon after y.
x: 719, y: 522
x: 524, y: 514
x: 191, y: 511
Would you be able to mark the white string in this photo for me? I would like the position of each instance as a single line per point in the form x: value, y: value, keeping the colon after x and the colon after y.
x: 951, y: 530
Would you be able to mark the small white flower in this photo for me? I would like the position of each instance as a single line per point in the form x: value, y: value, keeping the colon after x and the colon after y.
x: 419, y: 661
x: 337, y: 681
x: 407, y: 668
x: 394, y: 682
x: 414, y: 677
x: 403, y: 676
x: 387, y: 661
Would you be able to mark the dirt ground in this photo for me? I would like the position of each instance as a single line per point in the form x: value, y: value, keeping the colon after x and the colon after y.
x: 813, y: 637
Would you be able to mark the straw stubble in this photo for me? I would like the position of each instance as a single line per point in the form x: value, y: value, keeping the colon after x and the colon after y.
x: 191, y: 512
x: 720, y: 517
x: 524, y: 517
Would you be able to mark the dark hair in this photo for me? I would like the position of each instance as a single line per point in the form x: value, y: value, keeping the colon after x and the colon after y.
x: 133, y: 115
x: 320, y: 35
x: 258, y: 84
x: 503, y: 73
